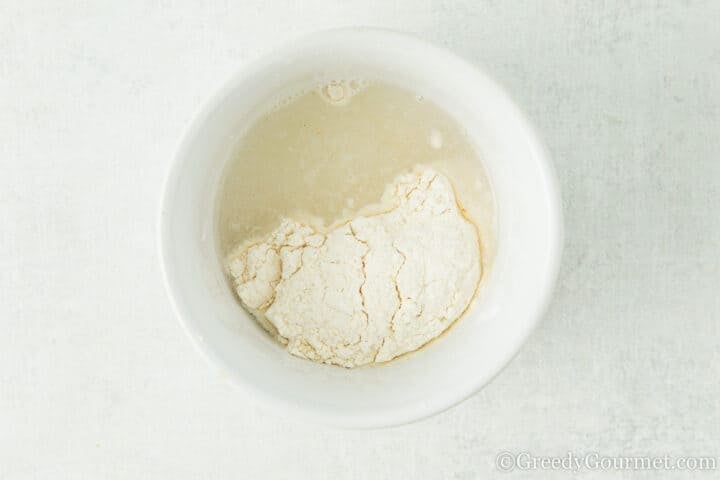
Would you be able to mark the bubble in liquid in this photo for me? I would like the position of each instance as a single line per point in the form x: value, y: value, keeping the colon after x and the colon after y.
x: 339, y: 92
x: 336, y: 92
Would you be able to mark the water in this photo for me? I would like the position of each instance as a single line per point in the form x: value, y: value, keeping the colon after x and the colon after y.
x: 322, y: 154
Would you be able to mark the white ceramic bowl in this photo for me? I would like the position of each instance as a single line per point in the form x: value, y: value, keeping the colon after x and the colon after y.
x: 514, y: 294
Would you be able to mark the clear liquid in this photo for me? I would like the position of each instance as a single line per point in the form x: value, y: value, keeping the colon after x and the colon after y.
x: 326, y: 153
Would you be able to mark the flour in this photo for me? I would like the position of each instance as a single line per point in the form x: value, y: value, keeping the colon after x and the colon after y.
x: 372, y: 288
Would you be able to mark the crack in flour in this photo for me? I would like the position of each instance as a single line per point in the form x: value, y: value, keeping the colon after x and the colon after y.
x: 380, y: 285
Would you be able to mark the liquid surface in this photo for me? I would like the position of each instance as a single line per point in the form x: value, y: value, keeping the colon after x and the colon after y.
x: 327, y: 153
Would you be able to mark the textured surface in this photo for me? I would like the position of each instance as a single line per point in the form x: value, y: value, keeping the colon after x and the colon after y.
x: 98, y: 381
x: 381, y: 285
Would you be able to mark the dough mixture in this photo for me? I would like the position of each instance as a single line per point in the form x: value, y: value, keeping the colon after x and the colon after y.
x: 372, y: 288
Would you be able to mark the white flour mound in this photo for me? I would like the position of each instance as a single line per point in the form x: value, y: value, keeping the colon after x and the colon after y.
x: 372, y: 288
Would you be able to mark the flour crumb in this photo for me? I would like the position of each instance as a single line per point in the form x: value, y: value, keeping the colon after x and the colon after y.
x: 371, y: 289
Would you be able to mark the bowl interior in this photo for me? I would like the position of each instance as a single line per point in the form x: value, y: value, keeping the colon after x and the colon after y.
x: 513, y: 295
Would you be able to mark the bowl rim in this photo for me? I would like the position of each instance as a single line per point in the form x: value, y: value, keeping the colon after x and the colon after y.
x: 392, y: 417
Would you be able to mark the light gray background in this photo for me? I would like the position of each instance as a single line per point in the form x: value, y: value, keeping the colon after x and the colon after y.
x: 97, y: 380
